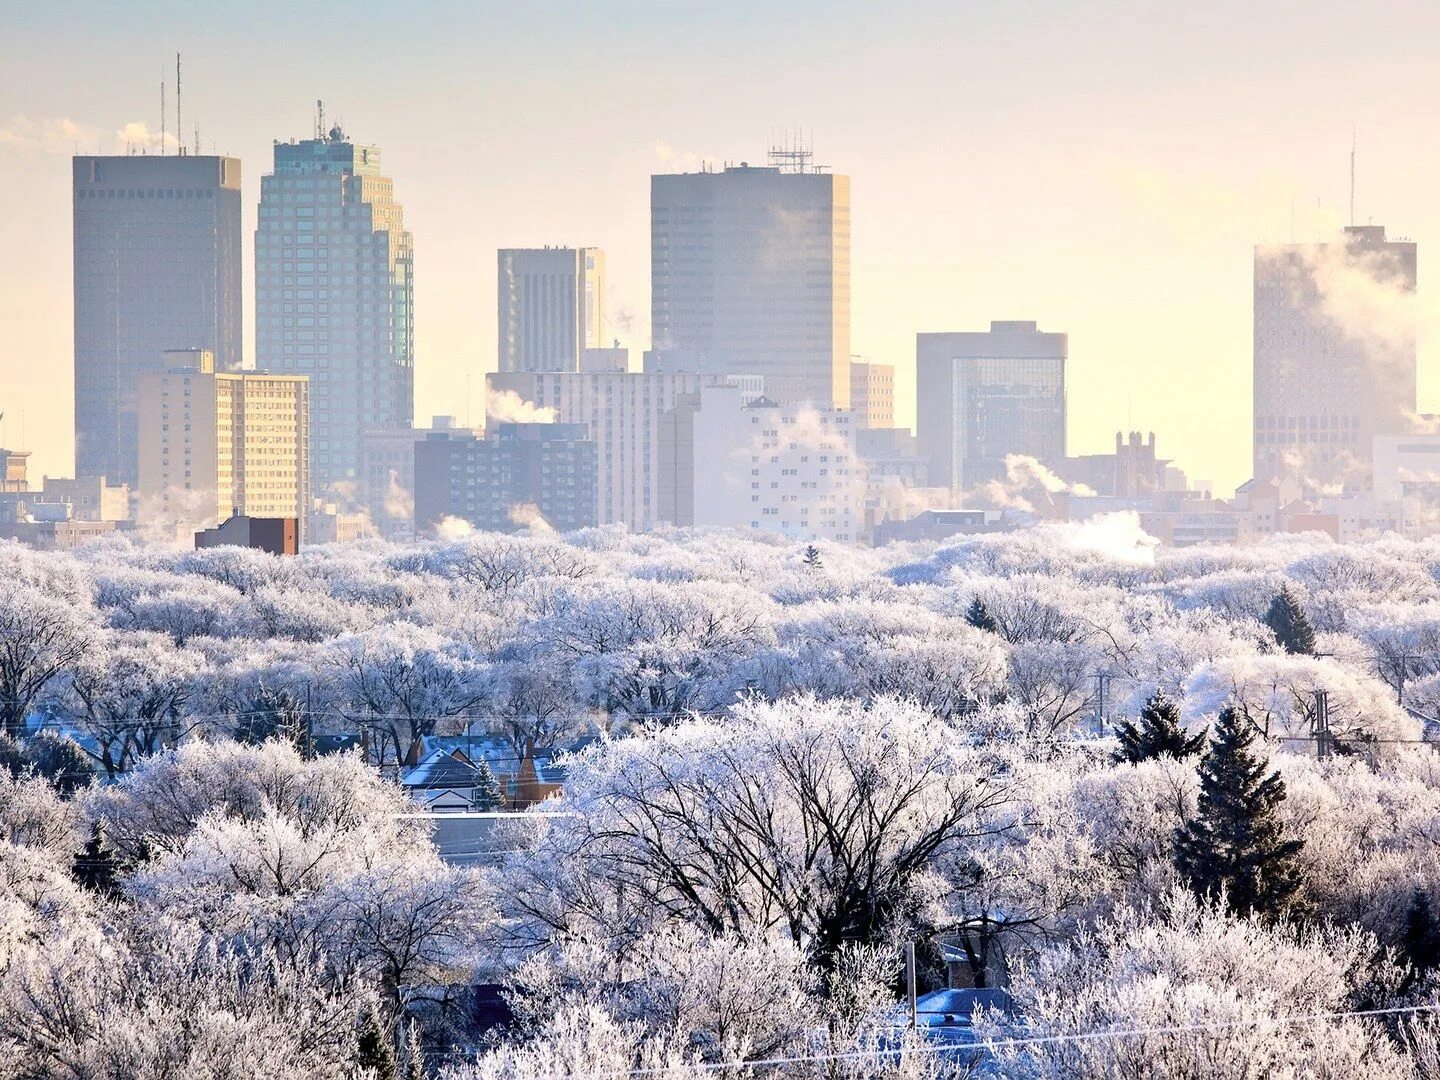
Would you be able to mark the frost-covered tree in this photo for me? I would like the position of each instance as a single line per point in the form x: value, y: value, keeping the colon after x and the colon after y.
x: 815, y: 819
x: 129, y: 693
x: 1192, y: 993
x: 402, y: 680
x: 40, y: 638
x: 486, y: 794
x: 337, y: 802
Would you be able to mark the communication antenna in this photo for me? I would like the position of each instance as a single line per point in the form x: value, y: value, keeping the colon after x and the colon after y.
x: 319, y: 119
x: 162, y: 110
x: 1352, y: 174
x: 179, y: 127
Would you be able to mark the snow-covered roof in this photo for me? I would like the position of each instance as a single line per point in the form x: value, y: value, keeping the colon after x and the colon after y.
x: 440, y: 769
x: 499, y: 755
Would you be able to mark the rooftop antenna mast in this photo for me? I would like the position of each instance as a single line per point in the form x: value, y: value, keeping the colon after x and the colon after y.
x: 162, y: 110
x: 179, y: 127
x: 319, y: 119
x: 1352, y: 174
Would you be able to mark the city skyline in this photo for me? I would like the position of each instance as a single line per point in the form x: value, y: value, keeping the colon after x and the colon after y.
x: 1141, y: 240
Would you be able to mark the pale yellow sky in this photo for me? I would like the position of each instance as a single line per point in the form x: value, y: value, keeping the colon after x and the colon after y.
x: 1103, y: 169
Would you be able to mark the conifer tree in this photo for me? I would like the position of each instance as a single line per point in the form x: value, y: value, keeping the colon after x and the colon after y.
x: 1290, y: 624
x: 95, y: 866
x: 1236, y: 842
x: 375, y: 1050
x: 414, y: 1057
x: 486, y: 794
x: 812, y: 558
x: 978, y: 616
x: 1158, y: 734
x: 1420, y: 942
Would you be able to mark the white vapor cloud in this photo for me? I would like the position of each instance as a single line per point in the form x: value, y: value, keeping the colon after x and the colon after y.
x: 508, y: 407
x: 51, y: 135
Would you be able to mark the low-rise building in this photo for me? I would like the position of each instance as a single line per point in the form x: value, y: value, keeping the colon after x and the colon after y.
x: 518, y: 476
x: 787, y: 469
x: 278, y: 536
x: 91, y: 498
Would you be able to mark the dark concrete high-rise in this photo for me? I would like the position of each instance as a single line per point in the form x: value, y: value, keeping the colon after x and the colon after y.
x: 750, y: 275
x: 335, y: 298
x: 1335, y: 355
x: 157, y: 267
x: 517, y: 476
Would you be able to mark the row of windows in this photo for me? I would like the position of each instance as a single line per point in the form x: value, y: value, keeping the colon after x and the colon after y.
x: 145, y: 193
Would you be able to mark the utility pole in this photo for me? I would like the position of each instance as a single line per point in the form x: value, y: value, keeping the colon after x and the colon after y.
x: 1102, y: 685
x: 910, y: 981
x: 1321, y: 724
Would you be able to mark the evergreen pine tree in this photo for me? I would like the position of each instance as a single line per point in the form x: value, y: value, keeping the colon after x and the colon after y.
x: 414, y: 1057
x: 1420, y: 942
x: 375, y: 1049
x: 812, y: 558
x: 978, y: 616
x: 1290, y: 623
x: 1236, y: 842
x: 95, y: 866
x: 1159, y: 733
x: 486, y: 794
x: 12, y: 756
x: 60, y: 760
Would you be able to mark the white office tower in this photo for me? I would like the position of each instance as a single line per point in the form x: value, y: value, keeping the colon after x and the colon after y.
x: 750, y: 275
x: 751, y: 463
x: 622, y: 413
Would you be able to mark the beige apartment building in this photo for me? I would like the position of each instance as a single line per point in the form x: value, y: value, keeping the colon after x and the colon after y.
x: 872, y: 394
x: 214, y: 442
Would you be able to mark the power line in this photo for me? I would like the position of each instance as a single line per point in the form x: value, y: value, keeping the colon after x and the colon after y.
x: 992, y: 1045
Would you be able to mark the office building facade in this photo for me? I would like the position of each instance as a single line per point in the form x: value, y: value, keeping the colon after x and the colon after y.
x: 551, y: 307
x: 335, y: 297
x: 1334, y: 355
x: 517, y: 476
x: 213, y: 443
x: 157, y: 266
x: 622, y: 413
x: 750, y: 275
x: 981, y: 397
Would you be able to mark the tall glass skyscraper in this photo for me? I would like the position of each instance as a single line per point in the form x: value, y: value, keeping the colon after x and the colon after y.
x: 157, y: 267
x: 334, y: 297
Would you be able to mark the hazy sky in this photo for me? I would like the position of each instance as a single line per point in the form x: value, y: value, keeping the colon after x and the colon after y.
x: 1102, y: 168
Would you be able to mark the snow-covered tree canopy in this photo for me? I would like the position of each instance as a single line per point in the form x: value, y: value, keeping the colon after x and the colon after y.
x: 544, y: 638
x: 806, y: 759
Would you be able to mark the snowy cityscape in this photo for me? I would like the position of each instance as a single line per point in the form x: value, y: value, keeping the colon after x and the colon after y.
x: 516, y: 564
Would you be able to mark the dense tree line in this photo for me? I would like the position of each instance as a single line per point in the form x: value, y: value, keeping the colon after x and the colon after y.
x: 1090, y: 773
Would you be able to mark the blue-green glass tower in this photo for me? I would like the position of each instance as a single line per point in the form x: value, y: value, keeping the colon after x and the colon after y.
x: 335, y: 297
